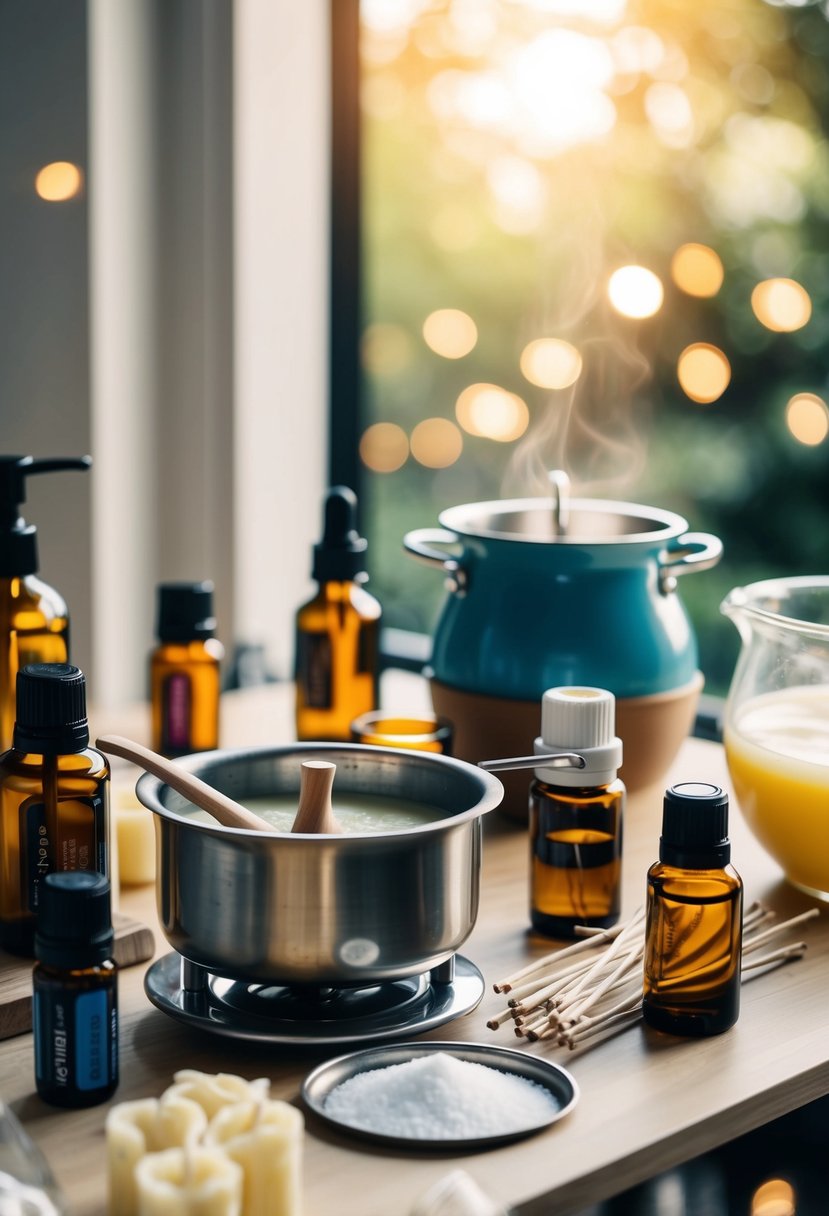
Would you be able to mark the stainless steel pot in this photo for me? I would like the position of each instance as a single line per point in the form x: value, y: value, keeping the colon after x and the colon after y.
x: 322, y: 910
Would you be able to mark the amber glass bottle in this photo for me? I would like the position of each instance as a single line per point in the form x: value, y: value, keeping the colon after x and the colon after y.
x: 75, y: 992
x: 54, y: 797
x: 576, y: 816
x: 34, y: 622
x: 693, y: 936
x: 337, y: 632
x: 185, y: 671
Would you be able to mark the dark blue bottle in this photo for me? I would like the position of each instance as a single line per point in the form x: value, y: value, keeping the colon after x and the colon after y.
x: 75, y: 1001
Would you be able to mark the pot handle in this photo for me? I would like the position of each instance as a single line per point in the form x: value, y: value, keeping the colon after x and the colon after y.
x: 689, y: 552
x: 418, y: 545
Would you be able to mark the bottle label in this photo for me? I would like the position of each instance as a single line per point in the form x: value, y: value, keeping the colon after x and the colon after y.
x: 367, y: 663
x: 37, y: 852
x: 76, y: 842
x: 75, y: 1038
x: 314, y: 669
x: 176, y: 713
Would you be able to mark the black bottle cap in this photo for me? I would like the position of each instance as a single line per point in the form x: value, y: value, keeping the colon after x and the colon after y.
x: 74, y: 922
x: 51, y: 710
x: 185, y: 612
x: 18, y: 540
x: 340, y: 555
x: 695, y: 826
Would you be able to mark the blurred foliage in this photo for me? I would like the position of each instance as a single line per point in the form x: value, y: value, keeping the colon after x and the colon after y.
x: 466, y: 208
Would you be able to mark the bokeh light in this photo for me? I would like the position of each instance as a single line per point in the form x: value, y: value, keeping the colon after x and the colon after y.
x: 774, y: 1198
x: 635, y: 291
x: 781, y: 305
x: 703, y: 372
x: 697, y: 270
x: 384, y: 447
x: 59, y: 181
x: 436, y: 443
x: 492, y: 413
x: 807, y: 417
x: 386, y: 349
x: 551, y: 363
x: 450, y: 332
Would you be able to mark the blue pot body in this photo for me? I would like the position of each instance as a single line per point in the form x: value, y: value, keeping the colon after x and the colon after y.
x: 532, y: 615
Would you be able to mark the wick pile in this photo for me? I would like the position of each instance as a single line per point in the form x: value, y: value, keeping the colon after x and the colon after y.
x: 571, y: 997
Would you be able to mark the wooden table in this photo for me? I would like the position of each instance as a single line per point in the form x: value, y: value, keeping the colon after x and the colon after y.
x: 648, y: 1102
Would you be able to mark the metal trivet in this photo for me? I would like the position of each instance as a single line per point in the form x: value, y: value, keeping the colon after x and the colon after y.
x: 263, y: 1013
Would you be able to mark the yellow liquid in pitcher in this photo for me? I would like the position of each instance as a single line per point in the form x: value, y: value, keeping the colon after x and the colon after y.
x: 778, y: 757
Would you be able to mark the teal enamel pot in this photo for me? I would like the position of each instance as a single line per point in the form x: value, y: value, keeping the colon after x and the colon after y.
x: 532, y: 605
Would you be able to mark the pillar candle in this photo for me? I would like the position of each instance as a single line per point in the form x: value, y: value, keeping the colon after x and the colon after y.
x: 188, y: 1182
x: 148, y: 1125
x: 265, y: 1139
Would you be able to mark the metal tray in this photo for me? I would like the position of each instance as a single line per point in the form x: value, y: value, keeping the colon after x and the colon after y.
x: 325, y: 1078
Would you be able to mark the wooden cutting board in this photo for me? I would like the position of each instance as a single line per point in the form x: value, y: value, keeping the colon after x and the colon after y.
x: 134, y: 943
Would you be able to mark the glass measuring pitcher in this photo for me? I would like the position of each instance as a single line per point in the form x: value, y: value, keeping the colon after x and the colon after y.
x: 777, y: 722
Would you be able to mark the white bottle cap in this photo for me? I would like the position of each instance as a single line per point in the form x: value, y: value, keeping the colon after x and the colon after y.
x: 579, y: 719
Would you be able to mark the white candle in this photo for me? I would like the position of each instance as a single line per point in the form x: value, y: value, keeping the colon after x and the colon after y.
x: 265, y: 1139
x: 134, y: 1129
x: 188, y: 1182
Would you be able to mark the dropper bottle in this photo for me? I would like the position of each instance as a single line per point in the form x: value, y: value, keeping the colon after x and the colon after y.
x: 75, y: 997
x: 693, y: 931
x: 34, y: 621
x: 576, y: 815
x: 54, y: 797
x: 337, y: 632
x: 185, y: 671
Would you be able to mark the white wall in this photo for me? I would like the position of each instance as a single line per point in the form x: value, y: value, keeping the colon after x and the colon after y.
x: 281, y: 304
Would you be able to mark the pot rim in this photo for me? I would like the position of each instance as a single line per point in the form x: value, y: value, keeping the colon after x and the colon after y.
x: 148, y: 789
x: 459, y: 519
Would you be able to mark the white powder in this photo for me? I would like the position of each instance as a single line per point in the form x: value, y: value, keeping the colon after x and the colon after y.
x: 440, y: 1097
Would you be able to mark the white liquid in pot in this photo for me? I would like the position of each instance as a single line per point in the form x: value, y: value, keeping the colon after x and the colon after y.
x: 356, y: 813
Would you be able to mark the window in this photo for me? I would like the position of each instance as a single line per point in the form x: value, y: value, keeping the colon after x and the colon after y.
x: 594, y: 237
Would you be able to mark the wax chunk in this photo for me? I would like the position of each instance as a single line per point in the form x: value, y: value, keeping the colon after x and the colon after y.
x: 134, y: 1129
x: 135, y: 833
x: 265, y: 1139
x: 213, y: 1091
x: 188, y: 1182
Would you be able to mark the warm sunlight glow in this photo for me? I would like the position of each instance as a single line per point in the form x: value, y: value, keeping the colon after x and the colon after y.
x: 697, y: 270
x: 635, y: 292
x: 492, y: 413
x: 704, y: 372
x: 436, y: 443
x: 557, y: 81
x: 386, y: 349
x: 551, y: 363
x: 59, y: 181
x: 807, y: 417
x: 455, y: 228
x: 774, y: 1198
x: 450, y: 332
x: 781, y: 305
x: 384, y: 447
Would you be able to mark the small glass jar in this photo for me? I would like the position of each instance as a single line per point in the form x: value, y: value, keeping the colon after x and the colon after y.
x: 423, y: 733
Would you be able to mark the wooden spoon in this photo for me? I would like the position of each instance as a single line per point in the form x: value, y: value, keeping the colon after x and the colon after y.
x: 230, y: 814
x: 315, y: 813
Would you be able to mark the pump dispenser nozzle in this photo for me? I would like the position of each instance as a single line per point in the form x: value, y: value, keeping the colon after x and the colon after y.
x: 18, y: 540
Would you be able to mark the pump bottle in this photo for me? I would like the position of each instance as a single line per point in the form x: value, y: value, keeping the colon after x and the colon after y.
x: 337, y: 632
x: 185, y: 671
x: 693, y: 928
x: 576, y: 815
x: 54, y: 797
x: 34, y: 623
